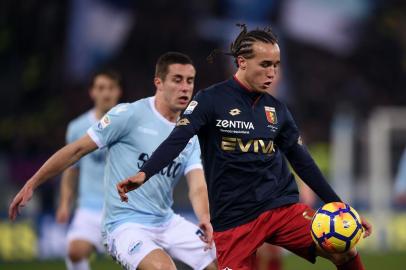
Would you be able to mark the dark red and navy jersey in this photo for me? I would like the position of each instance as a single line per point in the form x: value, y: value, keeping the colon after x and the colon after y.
x: 244, y: 137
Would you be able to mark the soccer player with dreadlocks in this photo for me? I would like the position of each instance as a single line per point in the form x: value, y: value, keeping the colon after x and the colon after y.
x: 244, y: 134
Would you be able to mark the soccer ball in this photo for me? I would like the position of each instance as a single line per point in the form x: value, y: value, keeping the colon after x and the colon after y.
x: 336, y: 227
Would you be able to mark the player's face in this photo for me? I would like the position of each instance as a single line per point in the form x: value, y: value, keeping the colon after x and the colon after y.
x: 105, y: 92
x: 263, y: 69
x: 177, y: 87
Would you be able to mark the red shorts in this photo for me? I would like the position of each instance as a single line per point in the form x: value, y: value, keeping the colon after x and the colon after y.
x: 287, y: 226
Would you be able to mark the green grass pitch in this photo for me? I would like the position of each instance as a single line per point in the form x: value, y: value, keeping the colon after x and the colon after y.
x: 373, y: 261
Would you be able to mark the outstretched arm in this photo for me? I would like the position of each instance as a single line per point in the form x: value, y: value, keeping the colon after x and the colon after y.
x: 58, y: 162
x: 309, y: 172
x: 199, y: 198
x: 67, y: 193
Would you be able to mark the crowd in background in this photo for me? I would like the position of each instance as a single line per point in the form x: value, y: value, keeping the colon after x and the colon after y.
x: 49, y: 49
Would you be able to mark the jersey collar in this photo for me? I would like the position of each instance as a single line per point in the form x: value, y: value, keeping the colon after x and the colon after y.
x: 243, y: 89
x: 157, y: 114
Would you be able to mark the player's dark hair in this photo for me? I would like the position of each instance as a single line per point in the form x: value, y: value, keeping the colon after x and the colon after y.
x: 167, y: 59
x: 242, y: 45
x: 109, y: 73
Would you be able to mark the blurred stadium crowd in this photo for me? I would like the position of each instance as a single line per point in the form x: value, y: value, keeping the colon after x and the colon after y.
x: 338, y: 56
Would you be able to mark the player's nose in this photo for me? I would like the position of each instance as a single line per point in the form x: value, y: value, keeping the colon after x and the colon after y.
x: 186, y: 88
x: 271, y: 73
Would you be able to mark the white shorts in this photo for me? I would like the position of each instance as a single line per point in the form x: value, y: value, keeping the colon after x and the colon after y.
x: 131, y: 242
x: 86, y: 225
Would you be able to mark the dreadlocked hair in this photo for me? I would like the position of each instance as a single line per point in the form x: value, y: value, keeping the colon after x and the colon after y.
x: 242, y: 45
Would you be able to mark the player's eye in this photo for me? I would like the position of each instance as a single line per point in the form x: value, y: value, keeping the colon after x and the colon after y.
x: 270, y: 64
x: 266, y: 64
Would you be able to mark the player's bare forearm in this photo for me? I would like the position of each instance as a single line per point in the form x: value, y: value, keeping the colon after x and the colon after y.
x: 199, y: 198
x: 198, y: 194
x: 62, y: 159
x: 67, y: 194
x: 309, y: 172
x: 200, y: 204
x: 68, y: 185
x: 58, y: 162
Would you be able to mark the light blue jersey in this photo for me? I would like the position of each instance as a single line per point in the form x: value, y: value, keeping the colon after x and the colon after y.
x: 91, y: 167
x: 131, y: 132
x: 400, y: 180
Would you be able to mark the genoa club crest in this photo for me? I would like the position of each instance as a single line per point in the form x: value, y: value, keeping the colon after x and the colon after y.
x: 270, y: 113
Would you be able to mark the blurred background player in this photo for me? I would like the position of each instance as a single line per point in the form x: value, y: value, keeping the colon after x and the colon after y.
x: 84, y: 235
x: 144, y: 233
x: 400, y: 182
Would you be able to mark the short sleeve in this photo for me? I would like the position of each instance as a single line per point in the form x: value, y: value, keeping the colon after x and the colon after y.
x: 194, y: 161
x: 289, y: 134
x: 400, y: 180
x: 112, y: 126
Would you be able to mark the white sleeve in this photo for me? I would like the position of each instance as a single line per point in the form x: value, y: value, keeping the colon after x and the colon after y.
x: 194, y: 161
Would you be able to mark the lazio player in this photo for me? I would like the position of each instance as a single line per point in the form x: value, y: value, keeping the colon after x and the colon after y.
x: 145, y: 233
x: 84, y: 234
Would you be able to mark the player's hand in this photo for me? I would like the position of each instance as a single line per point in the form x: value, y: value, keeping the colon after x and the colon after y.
x: 207, y: 235
x: 20, y: 200
x: 63, y: 214
x: 130, y: 184
x: 367, y: 227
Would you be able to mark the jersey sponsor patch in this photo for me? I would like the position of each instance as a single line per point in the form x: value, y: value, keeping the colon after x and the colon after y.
x: 104, y: 122
x: 191, y: 107
x: 183, y: 122
x: 235, y: 144
x: 234, y: 124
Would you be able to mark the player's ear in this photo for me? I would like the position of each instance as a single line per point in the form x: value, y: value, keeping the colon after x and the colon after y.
x: 91, y: 93
x: 157, y: 82
x: 242, y: 62
x: 120, y: 92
